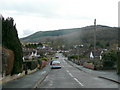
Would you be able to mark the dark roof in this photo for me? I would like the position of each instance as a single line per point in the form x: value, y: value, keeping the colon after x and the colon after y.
x: 97, y: 53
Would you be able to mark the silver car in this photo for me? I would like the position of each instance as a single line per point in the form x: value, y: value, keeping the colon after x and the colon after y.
x: 55, y: 64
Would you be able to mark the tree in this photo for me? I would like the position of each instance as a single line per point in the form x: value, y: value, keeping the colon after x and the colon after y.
x: 109, y: 58
x: 11, y: 41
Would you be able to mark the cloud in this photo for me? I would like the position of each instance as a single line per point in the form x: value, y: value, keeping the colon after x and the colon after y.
x: 36, y: 7
x: 40, y: 15
x: 27, y: 32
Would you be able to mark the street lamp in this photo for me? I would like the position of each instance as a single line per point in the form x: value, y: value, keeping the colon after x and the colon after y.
x: 94, y: 36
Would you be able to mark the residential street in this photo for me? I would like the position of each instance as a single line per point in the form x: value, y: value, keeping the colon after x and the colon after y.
x: 67, y: 77
x: 70, y: 77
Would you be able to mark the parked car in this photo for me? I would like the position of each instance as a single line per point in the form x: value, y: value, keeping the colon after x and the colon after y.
x: 55, y: 64
x: 52, y: 61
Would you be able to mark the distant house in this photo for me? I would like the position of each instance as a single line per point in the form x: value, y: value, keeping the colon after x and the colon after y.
x: 33, y: 54
x: 118, y: 48
x: 98, y: 54
x: 91, y: 55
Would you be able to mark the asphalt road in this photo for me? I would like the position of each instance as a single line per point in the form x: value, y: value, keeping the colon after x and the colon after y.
x: 70, y: 77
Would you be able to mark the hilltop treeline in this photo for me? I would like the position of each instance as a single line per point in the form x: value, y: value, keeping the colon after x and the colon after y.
x: 11, y: 41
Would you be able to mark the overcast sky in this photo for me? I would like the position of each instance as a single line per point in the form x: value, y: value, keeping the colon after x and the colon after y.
x: 42, y: 15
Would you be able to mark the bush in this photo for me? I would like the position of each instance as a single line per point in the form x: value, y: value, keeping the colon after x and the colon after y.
x: 44, y: 58
x: 108, y: 64
x: 7, y: 61
x: 73, y: 57
x: 32, y: 65
x: 109, y: 58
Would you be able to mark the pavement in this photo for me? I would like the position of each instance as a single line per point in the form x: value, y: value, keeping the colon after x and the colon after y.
x: 105, y: 74
x: 28, y: 81
x: 15, y: 76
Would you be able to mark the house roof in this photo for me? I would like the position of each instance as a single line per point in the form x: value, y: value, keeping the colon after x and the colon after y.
x: 97, y: 53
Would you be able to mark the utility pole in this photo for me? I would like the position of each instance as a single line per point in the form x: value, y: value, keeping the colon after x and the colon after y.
x: 94, y: 37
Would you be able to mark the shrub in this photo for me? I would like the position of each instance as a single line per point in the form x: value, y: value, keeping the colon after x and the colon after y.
x: 73, y: 57
x: 109, y: 58
x: 32, y: 65
x: 108, y: 63
x: 44, y: 58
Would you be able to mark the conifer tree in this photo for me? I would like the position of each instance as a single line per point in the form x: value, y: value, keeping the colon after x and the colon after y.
x: 11, y: 41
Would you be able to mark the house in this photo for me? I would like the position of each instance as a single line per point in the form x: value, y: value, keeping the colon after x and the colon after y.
x: 91, y: 55
x: 98, y: 54
x: 33, y: 54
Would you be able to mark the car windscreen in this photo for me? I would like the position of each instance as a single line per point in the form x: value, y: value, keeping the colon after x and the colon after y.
x: 54, y: 62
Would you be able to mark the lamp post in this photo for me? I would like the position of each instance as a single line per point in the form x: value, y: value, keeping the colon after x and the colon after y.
x: 94, y: 37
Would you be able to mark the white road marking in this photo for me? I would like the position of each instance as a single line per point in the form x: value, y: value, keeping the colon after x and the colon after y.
x: 78, y: 81
x: 67, y: 71
x: 70, y: 74
x: 51, y: 83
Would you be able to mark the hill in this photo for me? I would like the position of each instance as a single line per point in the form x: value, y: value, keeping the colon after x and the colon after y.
x: 53, y: 33
x: 84, y: 35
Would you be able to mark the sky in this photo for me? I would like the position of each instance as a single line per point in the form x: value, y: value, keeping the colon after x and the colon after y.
x: 31, y: 16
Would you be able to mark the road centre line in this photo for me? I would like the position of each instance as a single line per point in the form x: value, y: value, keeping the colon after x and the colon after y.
x: 78, y: 81
x: 70, y: 74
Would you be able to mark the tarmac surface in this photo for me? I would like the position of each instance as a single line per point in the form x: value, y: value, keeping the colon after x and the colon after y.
x: 71, y: 77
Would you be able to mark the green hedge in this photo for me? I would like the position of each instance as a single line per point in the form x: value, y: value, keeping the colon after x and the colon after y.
x: 32, y: 65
